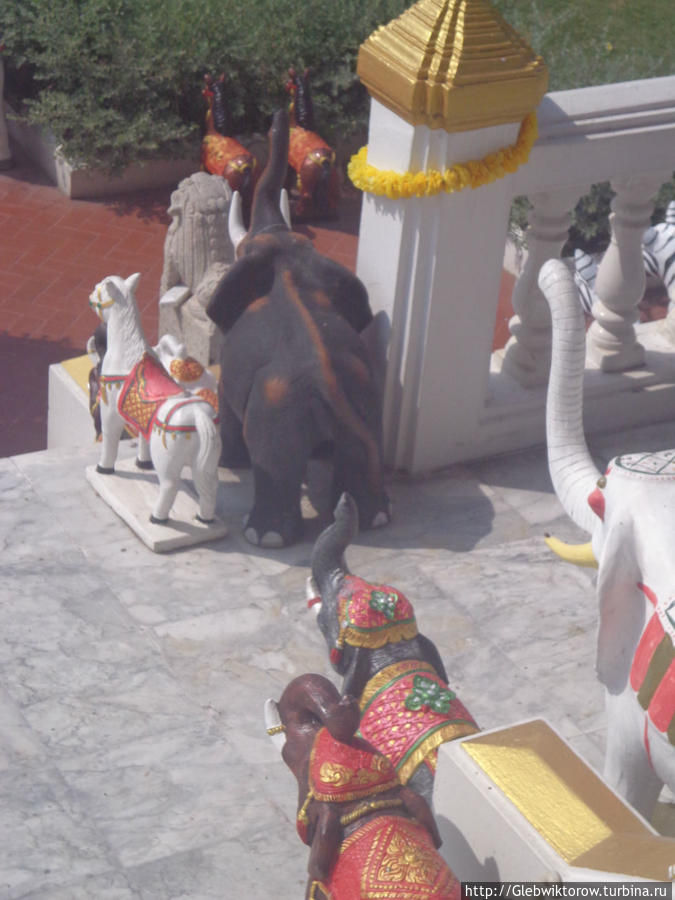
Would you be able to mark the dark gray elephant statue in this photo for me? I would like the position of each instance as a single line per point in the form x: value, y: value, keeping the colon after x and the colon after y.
x: 296, y: 377
x: 407, y: 708
x: 369, y: 835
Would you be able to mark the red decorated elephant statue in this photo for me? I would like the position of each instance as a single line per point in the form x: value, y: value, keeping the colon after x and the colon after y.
x: 369, y: 835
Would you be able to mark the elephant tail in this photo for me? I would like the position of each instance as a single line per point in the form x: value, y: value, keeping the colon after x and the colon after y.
x: 328, y: 562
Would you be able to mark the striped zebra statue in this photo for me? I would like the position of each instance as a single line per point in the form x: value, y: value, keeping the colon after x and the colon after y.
x: 658, y: 256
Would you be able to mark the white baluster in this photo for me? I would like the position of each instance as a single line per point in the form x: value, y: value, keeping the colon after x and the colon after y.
x: 527, y: 355
x: 611, y: 340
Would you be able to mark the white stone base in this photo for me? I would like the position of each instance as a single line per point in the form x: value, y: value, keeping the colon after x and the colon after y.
x: 69, y: 422
x: 524, y: 807
x: 132, y: 493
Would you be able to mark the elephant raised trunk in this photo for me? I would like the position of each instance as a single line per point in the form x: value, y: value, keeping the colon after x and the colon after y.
x: 328, y: 562
x: 265, y: 212
x: 573, y: 472
x: 270, y: 209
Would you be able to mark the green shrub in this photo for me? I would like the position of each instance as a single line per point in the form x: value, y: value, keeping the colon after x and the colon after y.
x: 120, y: 80
x: 584, y: 44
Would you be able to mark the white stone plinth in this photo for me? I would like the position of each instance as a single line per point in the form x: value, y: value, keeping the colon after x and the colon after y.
x: 517, y: 804
x: 433, y: 266
x: 132, y: 493
x: 69, y: 422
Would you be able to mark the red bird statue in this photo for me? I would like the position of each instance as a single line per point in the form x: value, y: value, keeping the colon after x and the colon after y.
x: 317, y: 185
x: 222, y: 155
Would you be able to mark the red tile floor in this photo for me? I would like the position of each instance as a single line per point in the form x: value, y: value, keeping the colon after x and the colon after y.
x: 53, y: 250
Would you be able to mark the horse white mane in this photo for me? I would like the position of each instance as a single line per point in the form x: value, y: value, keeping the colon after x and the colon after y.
x: 126, y: 341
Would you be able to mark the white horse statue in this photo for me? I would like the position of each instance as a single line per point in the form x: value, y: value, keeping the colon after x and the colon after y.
x: 175, y: 428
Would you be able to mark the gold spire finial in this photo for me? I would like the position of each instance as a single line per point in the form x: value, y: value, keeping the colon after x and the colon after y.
x: 452, y: 64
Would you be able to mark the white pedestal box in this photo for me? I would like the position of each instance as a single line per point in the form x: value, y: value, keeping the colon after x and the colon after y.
x: 517, y: 804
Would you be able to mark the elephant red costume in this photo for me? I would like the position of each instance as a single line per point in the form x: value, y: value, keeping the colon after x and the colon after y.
x: 396, y: 673
x: 296, y: 377
x: 370, y: 837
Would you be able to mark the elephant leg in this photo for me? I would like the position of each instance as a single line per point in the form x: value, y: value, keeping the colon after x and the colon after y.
x: 356, y: 469
x: 627, y: 765
x: 422, y: 781
x: 277, y: 440
x: 234, y: 452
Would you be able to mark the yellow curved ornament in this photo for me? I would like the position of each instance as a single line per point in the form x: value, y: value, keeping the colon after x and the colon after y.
x: 473, y: 174
x: 577, y: 554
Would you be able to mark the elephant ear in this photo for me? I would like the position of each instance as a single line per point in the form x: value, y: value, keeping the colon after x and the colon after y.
x: 621, y: 607
x: 250, y: 278
x: 347, y: 293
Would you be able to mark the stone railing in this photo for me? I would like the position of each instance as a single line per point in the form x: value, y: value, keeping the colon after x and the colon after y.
x: 624, y: 133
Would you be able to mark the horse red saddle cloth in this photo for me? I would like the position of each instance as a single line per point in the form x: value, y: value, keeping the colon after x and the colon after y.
x: 145, y: 389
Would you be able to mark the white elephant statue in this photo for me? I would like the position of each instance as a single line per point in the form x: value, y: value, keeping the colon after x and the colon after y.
x: 630, y: 513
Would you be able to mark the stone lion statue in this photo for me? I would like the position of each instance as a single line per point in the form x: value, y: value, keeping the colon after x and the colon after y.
x: 197, y: 253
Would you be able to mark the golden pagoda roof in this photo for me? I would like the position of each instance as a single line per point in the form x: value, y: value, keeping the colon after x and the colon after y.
x: 452, y: 64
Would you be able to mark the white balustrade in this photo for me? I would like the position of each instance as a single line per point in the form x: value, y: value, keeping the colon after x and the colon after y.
x: 430, y: 264
x: 620, y: 284
x: 527, y: 356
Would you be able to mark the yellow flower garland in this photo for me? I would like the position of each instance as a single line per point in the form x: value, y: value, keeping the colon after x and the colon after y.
x: 475, y: 173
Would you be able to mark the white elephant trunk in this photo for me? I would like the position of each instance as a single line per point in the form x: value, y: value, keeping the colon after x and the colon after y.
x: 573, y: 472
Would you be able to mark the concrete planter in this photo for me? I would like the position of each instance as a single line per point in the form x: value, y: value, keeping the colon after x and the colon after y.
x: 80, y: 182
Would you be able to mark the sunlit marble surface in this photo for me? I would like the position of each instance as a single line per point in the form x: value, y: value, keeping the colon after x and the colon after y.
x: 133, y: 758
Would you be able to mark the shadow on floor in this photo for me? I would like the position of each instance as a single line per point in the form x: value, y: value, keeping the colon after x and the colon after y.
x: 24, y: 375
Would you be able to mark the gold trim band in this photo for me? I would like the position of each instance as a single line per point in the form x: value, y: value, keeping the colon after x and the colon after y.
x: 276, y: 729
x: 371, y: 806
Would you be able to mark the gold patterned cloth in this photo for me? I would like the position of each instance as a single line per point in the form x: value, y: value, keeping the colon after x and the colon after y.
x: 342, y: 771
x: 145, y: 389
x: 390, y: 858
x: 372, y: 615
x: 408, y: 711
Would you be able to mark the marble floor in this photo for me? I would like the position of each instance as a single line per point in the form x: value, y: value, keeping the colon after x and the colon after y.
x: 133, y: 757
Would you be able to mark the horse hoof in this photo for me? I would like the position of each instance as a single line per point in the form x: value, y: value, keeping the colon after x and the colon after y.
x: 205, y: 521
x: 156, y: 521
x: 104, y: 470
x: 144, y: 463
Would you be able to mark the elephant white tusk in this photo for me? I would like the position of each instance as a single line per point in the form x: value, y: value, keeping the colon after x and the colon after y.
x: 235, y: 221
x: 312, y: 595
x: 285, y: 206
x: 275, y: 727
x: 578, y: 554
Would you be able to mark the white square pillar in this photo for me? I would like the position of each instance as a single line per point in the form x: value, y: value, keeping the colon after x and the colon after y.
x: 433, y: 266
